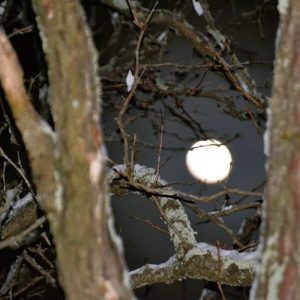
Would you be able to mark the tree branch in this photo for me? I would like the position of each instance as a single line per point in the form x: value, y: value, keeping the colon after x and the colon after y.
x: 238, y: 78
x: 192, y: 260
x: 201, y: 262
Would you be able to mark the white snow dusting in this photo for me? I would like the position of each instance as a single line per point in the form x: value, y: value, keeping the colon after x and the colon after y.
x: 23, y: 201
x: 46, y: 128
x: 129, y: 80
x: 165, y: 265
x: 162, y: 36
x: 120, y: 4
x: 283, y: 6
x: 11, y: 193
x: 243, y: 259
x: 2, y: 9
x: 198, y: 7
x: 244, y: 86
x: 115, y: 19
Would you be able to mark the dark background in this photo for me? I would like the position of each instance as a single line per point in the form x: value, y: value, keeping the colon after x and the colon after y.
x: 251, y: 28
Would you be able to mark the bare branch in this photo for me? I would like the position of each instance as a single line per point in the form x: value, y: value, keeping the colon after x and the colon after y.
x: 201, y: 262
x: 16, y: 240
x: 239, y: 79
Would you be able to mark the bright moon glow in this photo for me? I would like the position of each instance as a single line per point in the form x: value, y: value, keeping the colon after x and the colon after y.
x: 209, y: 161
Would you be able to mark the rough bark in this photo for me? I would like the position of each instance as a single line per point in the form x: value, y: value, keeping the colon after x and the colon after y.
x: 83, y: 244
x: 191, y: 260
x: 279, y: 272
x: 68, y: 165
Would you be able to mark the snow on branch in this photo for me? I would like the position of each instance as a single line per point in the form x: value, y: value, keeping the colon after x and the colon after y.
x: 202, y: 262
x: 180, y: 230
x: 191, y: 260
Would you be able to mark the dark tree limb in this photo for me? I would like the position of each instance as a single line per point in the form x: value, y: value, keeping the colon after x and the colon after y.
x: 239, y: 79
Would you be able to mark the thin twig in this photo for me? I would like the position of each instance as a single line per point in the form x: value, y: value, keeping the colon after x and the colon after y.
x: 32, y: 262
x: 159, y: 152
x: 18, y: 169
x: 23, y: 30
x: 150, y: 224
x: 133, y: 152
x: 13, y: 137
x: 137, y: 76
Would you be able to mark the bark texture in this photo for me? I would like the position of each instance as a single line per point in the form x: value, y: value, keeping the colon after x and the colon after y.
x: 68, y: 164
x: 279, y: 272
x: 89, y: 263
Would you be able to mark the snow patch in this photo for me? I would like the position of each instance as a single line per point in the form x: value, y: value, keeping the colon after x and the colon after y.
x: 162, y: 36
x: 46, y: 128
x: 165, y: 265
x: 120, y: 4
x: 129, y: 80
x: 198, y: 7
x: 227, y: 207
x: 17, y: 206
x: 115, y: 19
x: 23, y: 201
x: 243, y: 259
x: 244, y: 86
x: 12, y: 193
x: 2, y: 8
x: 283, y: 6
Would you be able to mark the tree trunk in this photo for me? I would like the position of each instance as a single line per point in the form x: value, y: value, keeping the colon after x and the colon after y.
x: 89, y: 263
x: 68, y: 164
x: 279, y: 272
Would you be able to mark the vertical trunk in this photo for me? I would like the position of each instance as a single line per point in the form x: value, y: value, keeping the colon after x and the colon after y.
x: 89, y: 264
x: 279, y: 273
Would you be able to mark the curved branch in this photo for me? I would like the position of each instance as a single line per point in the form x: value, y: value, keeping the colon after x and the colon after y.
x: 38, y: 137
x: 180, y: 230
x: 192, y: 260
x: 238, y: 78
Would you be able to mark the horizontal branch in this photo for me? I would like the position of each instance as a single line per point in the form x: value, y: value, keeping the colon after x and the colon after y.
x: 164, y: 191
x: 227, y: 267
x: 16, y: 241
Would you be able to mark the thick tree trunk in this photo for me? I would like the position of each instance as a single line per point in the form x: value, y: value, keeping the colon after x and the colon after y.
x: 279, y: 273
x: 89, y: 263
x: 68, y: 164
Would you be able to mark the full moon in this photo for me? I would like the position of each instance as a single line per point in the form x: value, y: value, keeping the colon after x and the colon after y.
x: 209, y: 161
